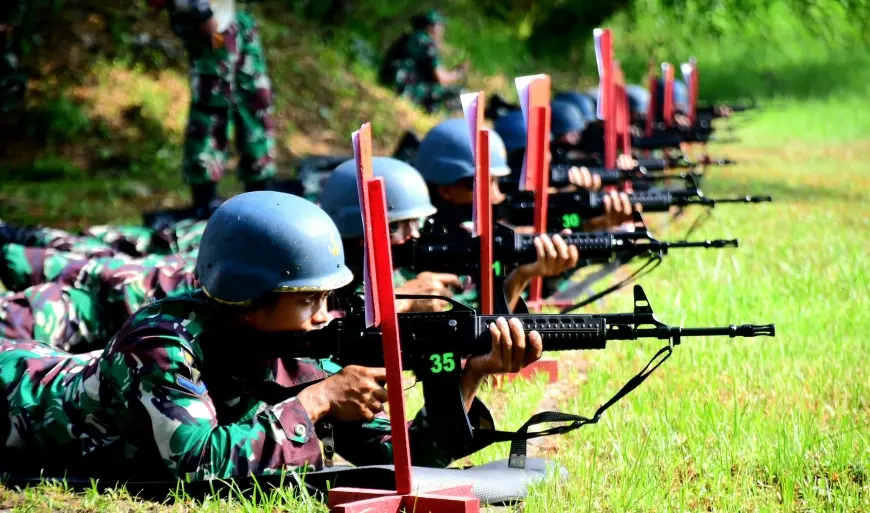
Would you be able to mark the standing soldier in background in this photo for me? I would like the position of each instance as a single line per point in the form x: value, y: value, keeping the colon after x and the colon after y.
x: 228, y: 83
x: 412, y: 67
x: 13, y: 83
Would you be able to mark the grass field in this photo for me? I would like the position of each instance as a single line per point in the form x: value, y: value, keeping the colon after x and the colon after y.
x: 727, y: 425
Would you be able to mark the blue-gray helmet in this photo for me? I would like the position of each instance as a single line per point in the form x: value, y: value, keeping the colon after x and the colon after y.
x: 638, y: 98
x: 565, y: 118
x: 407, y: 194
x: 681, y: 95
x: 267, y: 241
x: 512, y: 129
x: 584, y: 102
x: 445, y: 158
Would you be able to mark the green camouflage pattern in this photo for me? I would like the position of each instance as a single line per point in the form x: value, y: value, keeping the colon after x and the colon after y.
x: 111, y: 240
x: 57, y: 292
x: 229, y: 85
x: 157, y: 402
x: 410, y: 71
x: 55, y: 315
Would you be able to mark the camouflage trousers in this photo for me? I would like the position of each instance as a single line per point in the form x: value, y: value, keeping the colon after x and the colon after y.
x: 229, y: 84
x: 182, y: 237
x: 433, y: 97
x: 74, y: 303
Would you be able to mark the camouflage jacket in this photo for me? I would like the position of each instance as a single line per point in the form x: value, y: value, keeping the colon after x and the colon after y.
x: 112, y: 240
x: 158, y: 402
x: 76, y: 303
x: 413, y: 59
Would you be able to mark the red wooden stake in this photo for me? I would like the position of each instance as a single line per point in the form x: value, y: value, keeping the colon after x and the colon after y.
x: 542, y: 182
x: 484, y: 217
x: 607, y: 98
x: 363, y: 153
x: 390, y: 333
x: 668, y: 105
x: 459, y: 499
x: 651, y: 108
x: 693, y: 90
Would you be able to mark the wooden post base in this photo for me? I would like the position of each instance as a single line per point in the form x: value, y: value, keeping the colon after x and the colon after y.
x: 459, y: 499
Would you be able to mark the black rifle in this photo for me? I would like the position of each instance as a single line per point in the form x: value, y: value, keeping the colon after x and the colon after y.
x: 435, y: 343
x: 451, y: 253
x: 639, y: 177
x: 569, y: 209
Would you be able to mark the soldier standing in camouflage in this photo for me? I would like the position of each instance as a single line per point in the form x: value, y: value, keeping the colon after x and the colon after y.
x: 412, y: 67
x: 178, y: 391
x: 229, y: 82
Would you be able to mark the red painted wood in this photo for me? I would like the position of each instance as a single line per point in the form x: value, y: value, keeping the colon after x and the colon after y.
x: 542, y: 182
x: 390, y: 332
x: 651, y: 108
x: 607, y: 96
x: 342, y: 495
x: 458, y: 499
x: 693, y: 90
x: 365, y: 173
x: 484, y: 217
x: 437, y: 504
x: 668, y: 105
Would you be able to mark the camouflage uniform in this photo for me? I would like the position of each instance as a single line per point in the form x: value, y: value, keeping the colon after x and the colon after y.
x: 159, y: 402
x: 13, y: 82
x: 228, y: 84
x: 89, y: 299
x: 53, y: 314
x: 111, y: 240
x: 410, y: 70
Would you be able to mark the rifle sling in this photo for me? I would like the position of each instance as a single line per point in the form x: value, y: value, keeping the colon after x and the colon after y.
x: 520, y: 437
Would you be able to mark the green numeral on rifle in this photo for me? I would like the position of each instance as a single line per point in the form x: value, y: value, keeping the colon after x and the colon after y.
x: 496, y: 267
x: 442, y: 363
x: 571, y: 221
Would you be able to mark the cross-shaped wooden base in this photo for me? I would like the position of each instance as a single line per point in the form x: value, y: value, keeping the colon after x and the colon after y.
x: 459, y: 499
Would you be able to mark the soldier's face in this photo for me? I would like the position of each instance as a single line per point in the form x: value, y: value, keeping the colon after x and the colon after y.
x: 294, y: 311
x: 403, y: 231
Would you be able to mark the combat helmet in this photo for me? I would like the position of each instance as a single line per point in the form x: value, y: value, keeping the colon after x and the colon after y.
x: 407, y: 194
x: 445, y: 157
x: 267, y: 241
x: 565, y: 118
x: 582, y: 101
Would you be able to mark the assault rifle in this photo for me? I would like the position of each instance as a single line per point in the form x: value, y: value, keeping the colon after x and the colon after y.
x: 569, y: 209
x: 461, y: 255
x: 435, y: 343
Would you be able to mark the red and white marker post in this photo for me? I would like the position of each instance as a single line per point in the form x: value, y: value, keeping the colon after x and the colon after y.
x: 459, y: 499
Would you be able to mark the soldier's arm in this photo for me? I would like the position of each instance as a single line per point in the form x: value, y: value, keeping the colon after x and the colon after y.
x: 370, y: 443
x: 174, y: 412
